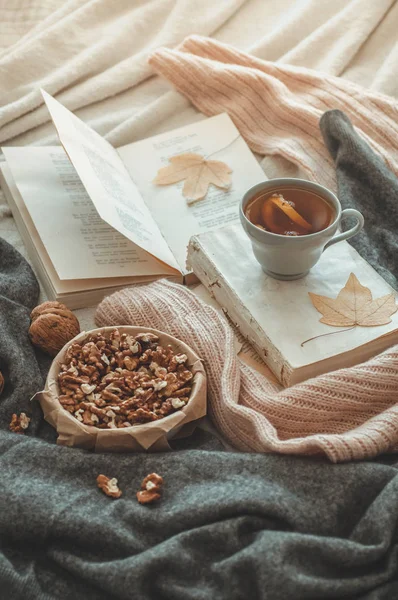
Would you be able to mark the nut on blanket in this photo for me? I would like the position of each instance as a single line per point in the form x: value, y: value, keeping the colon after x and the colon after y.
x: 52, y: 325
x: 152, y: 436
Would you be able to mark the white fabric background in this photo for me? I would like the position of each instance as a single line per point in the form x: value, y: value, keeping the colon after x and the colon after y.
x: 92, y: 56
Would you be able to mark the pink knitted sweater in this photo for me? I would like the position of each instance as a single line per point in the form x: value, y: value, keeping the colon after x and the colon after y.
x: 346, y: 415
x: 277, y: 107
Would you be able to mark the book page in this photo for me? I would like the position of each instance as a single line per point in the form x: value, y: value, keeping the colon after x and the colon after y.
x: 282, y: 310
x: 108, y: 183
x: 79, y: 243
x: 38, y: 255
x: 216, y: 136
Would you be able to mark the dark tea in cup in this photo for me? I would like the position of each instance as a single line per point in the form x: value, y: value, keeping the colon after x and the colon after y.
x: 290, y: 211
x: 291, y: 222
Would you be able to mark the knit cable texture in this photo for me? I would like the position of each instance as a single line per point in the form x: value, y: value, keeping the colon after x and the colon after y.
x: 277, y: 107
x: 349, y: 414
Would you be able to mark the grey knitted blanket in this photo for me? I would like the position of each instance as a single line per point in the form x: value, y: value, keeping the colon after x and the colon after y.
x: 230, y: 525
x: 365, y: 183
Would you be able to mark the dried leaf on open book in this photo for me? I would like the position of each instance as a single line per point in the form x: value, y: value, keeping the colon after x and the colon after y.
x: 354, y: 305
x: 198, y: 173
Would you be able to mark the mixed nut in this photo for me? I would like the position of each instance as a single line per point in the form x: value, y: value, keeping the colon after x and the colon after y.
x: 123, y: 380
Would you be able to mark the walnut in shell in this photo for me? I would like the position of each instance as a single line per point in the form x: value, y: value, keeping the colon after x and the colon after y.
x: 52, y: 326
x: 1, y: 382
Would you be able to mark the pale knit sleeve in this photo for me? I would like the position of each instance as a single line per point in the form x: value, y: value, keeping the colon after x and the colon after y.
x: 277, y: 107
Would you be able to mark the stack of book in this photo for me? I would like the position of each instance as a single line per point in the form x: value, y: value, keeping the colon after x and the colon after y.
x: 91, y: 216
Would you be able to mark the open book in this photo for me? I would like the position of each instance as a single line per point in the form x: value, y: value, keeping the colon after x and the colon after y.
x: 277, y: 316
x: 93, y: 220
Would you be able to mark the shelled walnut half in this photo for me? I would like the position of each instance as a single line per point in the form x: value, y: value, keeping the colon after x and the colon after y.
x: 109, y: 486
x: 119, y: 381
x: 151, y: 488
x: 19, y: 423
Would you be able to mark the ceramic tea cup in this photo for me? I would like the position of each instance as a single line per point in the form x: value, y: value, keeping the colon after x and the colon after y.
x: 291, y: 257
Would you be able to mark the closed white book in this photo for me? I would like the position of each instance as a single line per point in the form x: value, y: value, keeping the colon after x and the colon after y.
x: 276, y: 317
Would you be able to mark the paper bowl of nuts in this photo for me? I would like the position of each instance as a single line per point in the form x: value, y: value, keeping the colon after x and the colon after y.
x: 123, y: 389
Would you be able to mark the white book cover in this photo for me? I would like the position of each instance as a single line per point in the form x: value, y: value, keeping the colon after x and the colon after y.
x: 277, y: 316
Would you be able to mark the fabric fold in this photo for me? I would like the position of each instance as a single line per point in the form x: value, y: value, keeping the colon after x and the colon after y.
x: 19, y: 292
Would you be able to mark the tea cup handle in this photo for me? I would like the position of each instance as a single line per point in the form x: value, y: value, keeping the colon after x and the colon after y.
x: 348, y: 212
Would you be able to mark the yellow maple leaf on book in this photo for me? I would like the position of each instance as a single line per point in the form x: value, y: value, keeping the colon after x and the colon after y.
x: 198, y: 173
x: 354, y: 305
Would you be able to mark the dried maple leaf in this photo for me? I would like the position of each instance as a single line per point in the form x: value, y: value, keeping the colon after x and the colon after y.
x: 354, y: 306
x: 198, y: 173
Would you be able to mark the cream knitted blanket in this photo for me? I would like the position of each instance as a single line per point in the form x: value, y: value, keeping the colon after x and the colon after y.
x: 92, y: 55
x: 346, y: 415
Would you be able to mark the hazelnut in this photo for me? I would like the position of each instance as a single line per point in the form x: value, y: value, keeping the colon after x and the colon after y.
x: 1, y: 382
x: 52, y: 326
